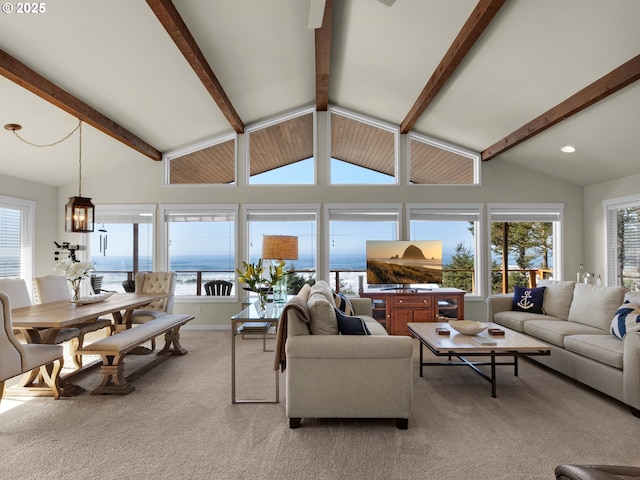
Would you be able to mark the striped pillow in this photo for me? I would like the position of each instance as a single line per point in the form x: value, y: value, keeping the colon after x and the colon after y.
x: 343, y: 304
x: 626, y: 319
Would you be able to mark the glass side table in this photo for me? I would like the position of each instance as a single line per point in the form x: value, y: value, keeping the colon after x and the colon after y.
x: 250, y: 315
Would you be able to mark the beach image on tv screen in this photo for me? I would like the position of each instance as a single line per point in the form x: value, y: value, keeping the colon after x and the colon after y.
x: 404, y: 262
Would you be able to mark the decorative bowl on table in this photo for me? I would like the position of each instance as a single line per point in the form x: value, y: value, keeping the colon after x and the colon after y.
x: 99, y: 297
x: 468, y: 327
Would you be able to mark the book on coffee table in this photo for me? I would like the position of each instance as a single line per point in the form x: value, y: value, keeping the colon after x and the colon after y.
x: 254, y: 327
x: 484, y: 341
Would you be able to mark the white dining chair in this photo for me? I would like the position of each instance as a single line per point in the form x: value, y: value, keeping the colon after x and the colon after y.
x: 17, y: 358
x: 54, y: 288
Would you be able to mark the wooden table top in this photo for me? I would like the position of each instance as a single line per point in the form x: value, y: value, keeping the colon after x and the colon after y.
x: 457, y: 342
x: 65, y: 314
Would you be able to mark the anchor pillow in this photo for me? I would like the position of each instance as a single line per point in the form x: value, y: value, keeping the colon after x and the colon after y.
x: 626, y: 319
x: 528, y: 299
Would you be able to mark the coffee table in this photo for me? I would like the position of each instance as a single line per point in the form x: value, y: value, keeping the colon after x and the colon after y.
x: 512, y: 344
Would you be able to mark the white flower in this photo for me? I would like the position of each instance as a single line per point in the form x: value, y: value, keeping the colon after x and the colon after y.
x: 73, y: 271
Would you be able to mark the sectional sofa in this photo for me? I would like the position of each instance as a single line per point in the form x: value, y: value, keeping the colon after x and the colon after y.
x: 576, y: 321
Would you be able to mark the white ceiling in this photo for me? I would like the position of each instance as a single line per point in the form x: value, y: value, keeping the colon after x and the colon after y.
x: 117, y: 57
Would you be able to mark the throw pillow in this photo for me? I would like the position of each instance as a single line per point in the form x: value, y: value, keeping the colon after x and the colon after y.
x: 528, y: 299
x: 343, y: 304
x: 626, y: 319
x: 348, y: 325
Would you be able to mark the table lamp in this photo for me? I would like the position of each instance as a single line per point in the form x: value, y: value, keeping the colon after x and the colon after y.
x: 280, y: 247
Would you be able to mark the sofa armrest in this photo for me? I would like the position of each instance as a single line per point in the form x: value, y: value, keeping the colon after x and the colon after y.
x: 631, y: 370
x: 498, y: 303
x: 362, y: 306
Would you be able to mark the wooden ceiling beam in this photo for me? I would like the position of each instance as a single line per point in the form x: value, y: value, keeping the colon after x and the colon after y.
x: 323, y: 57
x: 180, y: 34
x: 613, y: 81
x: 476, y: 24
x: 32, y: 81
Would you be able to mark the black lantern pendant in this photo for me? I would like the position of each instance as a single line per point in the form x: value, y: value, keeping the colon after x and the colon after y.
x: 79, y: 211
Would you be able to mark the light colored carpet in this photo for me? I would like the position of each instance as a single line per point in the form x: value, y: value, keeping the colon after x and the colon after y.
x: 179, y: 423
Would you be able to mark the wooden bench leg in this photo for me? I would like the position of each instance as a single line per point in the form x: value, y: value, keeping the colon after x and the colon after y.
x: 113, y: 379
x: 172, y: 338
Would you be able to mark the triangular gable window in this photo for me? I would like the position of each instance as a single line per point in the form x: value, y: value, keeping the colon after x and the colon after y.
x: 436, y: 163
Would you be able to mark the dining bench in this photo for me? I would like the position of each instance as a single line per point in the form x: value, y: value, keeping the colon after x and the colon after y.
x: 114, y: 348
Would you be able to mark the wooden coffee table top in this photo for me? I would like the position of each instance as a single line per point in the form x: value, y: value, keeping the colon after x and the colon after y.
x: 457, y: 342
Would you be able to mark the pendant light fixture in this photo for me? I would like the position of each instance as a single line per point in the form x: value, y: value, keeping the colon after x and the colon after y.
x: 79, y: 211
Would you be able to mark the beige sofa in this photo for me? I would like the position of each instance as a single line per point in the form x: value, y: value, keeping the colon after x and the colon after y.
x: 329, y: 375
x: 576, y: 323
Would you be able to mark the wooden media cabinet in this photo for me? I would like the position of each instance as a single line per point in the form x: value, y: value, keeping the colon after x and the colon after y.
x: 395, y: 308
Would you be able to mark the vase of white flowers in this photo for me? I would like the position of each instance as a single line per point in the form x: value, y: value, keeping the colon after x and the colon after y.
x: 75, y: 273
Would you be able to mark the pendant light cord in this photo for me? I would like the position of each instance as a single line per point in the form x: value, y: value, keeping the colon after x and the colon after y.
x: 80, y: 160
x: 48, y: 144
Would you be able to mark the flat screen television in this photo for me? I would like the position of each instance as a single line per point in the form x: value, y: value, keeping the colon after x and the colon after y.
x: 404, y: 262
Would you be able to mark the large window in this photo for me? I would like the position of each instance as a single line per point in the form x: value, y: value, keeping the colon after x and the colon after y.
x: 458, y: 227
x: 201, y: 243
x: 281, y: 220
x: 349, y: 229
x: 525, y: 244
x: 122, y: 243
x: 16, y: 237
x: 623, y: 242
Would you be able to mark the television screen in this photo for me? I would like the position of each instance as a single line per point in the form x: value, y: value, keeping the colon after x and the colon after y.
x: 404, y: 262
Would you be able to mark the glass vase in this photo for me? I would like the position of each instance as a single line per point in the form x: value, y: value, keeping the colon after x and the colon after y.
x: 261, y: 304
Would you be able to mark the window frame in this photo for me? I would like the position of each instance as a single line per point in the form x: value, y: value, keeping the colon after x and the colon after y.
x: 394, y: 129
x: 536, y: 211
x: 27, y: 210
x: 173, y: 154
x: 475, y: 156
x: 451, y: 212
x: 355, y: 209
x: 275, y: 121
x: 163, y: 238
x: 610, y: 210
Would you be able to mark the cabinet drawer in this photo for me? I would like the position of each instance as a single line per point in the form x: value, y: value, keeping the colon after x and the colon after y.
x: 412, y: 301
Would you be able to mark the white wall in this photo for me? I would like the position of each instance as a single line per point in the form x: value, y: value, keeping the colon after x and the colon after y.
x: 594, y: 217
x: 501, y: 183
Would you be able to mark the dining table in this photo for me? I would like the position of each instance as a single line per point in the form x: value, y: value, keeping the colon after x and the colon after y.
x: 41, y: 324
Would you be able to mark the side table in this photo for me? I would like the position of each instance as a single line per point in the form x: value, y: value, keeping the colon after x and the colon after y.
x: 250, y: 314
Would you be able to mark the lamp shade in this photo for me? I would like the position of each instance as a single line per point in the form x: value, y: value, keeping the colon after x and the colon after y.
x: 78, y: 215
x: 279, y: 247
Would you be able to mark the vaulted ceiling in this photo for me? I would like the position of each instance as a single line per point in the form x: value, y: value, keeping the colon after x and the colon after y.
x: 513, y: 79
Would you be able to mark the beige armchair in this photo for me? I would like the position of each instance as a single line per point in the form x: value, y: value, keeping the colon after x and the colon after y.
x: 17, y: 358
x: 154, y: 282
x: 54, y: 288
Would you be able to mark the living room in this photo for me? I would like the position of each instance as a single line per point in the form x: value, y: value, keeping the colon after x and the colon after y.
x: 480, y: 106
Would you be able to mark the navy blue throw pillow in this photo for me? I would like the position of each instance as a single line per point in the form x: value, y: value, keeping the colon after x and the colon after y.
x: 528, y: 299
x: 351, y: 325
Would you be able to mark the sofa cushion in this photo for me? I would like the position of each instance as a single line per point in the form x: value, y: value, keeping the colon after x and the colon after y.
x: 343, y: 304
x: 515, y: 320
x: 603, y: 348
x: 555, y: 331
x: 557, y: 297
x: 374, y: 327
x: 626, y: 319
x: 528, y: 299
x: 595, y: 306
x: 633, y: 297
x: 323, y: 315
x: 348, y: 325
x: 323, y: 288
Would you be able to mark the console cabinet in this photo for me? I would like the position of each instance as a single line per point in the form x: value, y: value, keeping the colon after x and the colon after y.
x: 395, y: 308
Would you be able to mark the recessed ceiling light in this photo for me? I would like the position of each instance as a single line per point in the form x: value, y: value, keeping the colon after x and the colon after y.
x: 568, y: 149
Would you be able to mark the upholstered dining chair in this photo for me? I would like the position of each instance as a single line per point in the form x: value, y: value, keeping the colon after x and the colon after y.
x: 220, y: 288
x: 18, y: 293
x: 154, y: 282
x: 54, y: 288
x: 17, y: 358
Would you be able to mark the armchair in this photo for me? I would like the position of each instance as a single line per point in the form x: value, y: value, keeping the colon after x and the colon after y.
x: 17, y: 358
